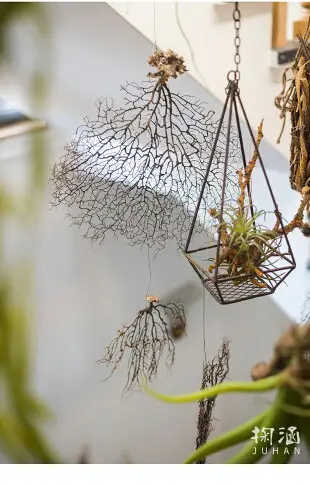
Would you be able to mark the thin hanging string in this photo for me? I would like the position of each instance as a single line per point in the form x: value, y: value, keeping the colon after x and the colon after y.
x: 189, y: 45
x: 154, y: 24
x: 204, y: 326
x: 150, y: 273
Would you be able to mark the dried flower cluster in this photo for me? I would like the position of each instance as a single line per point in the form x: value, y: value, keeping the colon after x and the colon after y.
x: 168, y: 65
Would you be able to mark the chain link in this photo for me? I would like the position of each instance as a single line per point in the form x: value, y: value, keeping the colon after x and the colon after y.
x: 237, y: 42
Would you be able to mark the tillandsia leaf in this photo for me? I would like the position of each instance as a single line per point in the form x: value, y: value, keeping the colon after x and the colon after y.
x: 265, y: 384
x: 229, y: 439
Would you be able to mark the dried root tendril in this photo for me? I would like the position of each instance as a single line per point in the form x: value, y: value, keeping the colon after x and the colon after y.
x: 144, y: 340
x: 214, y: 373
x: 295, y: 100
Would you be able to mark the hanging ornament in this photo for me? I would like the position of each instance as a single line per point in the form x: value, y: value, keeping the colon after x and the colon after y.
x: 214, y: 373
x: 137, y: 170
x: 145, y: 340
x: 242, y: 257
x: 294, y: 99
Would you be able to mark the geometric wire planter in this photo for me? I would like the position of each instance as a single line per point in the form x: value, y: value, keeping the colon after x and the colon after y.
x: 264, y: 258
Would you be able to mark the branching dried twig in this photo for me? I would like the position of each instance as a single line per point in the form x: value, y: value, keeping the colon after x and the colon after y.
x: 214, y: 373
x: 145, y: 340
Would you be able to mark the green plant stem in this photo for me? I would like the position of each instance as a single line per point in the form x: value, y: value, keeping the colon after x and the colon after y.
x: 265, y: 384
x: 282, y: 457
x: 275, y: 418
x: 229, y: 439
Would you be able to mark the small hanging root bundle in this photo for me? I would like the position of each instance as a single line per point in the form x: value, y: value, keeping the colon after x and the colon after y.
x: 247, y: 246
x: 136, y: 170
x: 145, y: 340
x: 295, y: 99
x: 214, y: 373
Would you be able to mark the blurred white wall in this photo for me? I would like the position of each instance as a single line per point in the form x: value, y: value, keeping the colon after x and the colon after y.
x: 84, y: 292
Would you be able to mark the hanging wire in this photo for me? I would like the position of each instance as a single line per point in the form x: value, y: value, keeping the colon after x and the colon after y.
x: 204, y: 326
x: 150, y: 273
x: 154, y: 25
x: 189, y: 45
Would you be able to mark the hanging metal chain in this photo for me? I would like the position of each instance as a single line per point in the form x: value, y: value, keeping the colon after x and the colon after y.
x: 235, y: 75
x: 237, y: 19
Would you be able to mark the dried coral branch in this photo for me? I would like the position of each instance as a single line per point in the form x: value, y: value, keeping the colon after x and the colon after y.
x: 137, y: 170
x: 214, y: 373
x: 145, y: 340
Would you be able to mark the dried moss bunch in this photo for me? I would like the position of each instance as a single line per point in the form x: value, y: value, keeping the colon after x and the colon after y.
x: 145, y: 340
x: 136, y: 170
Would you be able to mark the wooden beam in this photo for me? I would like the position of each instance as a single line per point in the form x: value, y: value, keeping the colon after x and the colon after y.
x: 279, y: 20
x: 300, y: 26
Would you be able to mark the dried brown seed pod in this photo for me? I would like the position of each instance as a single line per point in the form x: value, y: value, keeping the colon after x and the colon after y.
x: 178, y: 327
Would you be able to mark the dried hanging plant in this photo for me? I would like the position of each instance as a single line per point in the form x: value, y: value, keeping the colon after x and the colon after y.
x: 145, y: 340
x: 214, y: 373
x: 295, y: 99
x: 137, y: 170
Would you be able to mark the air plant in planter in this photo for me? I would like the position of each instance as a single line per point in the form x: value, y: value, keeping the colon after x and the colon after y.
x: 244, y: 258
x: 145, y: 340
x: 288, y: 416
